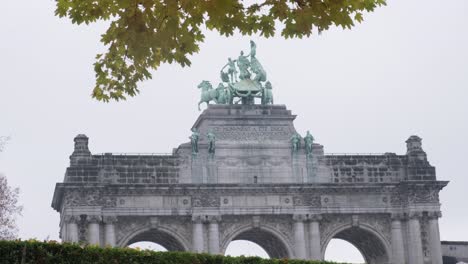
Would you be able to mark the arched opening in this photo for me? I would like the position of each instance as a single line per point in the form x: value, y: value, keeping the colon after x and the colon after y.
x: 245, y: 248
x: 147, y: 245
x: 262, y: 242
x: 339, y: 250
x: 371, y: 245
x: 155, y: 239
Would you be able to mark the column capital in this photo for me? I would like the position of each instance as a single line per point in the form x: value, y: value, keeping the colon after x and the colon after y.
x: 213, y: 218
x: 71, y: 219
x: 94, y: 218
x: 198, y: 218
x: 299, y: 217
x: 414, y: 215
x: 398, y: 216
x: 314, y: 217
x: 110, y: 219
x: 434, y: 215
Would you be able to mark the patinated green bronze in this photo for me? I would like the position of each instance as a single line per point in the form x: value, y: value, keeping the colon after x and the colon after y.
x: 208, y: 93
x: 267, y: 94
x: 194, y: 141
x: 211, y: 143
x: 295, y: 143
x: 308, y: 141
x: 243, y: 79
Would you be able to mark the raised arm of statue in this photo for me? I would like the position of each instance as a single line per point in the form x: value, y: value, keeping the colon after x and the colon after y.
x: 253, y: 49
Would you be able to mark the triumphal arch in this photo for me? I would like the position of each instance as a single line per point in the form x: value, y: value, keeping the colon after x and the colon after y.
x: 247, y: 174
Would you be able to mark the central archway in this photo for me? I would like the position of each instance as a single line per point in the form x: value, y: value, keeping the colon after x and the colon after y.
x: 167, y: 239
x: 270, y: 240
x: 372, y: 245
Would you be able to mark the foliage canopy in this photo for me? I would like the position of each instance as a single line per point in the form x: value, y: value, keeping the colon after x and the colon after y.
x: 145, y: 33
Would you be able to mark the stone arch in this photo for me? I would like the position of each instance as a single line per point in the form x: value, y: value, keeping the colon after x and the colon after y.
x: 272, y: 241
x: 163, y: 236
x: 370, y: 242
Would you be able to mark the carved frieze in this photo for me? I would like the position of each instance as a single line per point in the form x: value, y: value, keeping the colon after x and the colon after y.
x: 205, y: 201
x: 88, y: 197
x: 423, y: 195
x: 307, y: 200
x: 251, y: 132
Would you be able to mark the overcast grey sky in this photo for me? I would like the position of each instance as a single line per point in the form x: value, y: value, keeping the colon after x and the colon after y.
x: 403, y: 71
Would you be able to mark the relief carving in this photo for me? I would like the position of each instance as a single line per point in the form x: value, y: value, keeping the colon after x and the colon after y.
x: 423, y: 195
x: 205, y: 201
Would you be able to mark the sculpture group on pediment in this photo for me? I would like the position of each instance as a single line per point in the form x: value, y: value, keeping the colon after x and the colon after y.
x: 243, y: 78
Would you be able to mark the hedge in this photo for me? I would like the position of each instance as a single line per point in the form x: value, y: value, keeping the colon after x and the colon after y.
x: 35, y: 252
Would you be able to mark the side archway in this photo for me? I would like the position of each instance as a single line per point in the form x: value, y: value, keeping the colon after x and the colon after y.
x: 272, y: 241
x: 373, y: 246
x: 165, y: 237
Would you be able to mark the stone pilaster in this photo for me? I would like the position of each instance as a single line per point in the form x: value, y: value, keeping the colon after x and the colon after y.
x: 197, y: 169
x: 109, y: 230
x: 213, y: 234
x: 398, y: 250
x: 314, y: 237
x: 71, y: 228
x: 434, y: 238
x: 298, y: 167
x: 415, y: 252
x: 93, y: 229
x: 299, y: 236
x: 198, y: 244
x: 211, y: 170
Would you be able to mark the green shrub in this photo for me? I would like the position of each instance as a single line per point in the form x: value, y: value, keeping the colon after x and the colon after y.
x: 35, y: 252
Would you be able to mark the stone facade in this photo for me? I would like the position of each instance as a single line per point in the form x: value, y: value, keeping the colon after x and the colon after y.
x: 256, y: 188
x: 455, y: 252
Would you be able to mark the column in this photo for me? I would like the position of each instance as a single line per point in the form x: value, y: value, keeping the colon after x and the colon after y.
x: 434, y: 238
x: 299, y: 238
x: 213, y: 234
x: 109, y: 230
x: 198, y: 244
x: 398, y: 250
x: 414, y: 233
x: 93, y: 229
x: 314, y: 237
x: 71, y: 227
